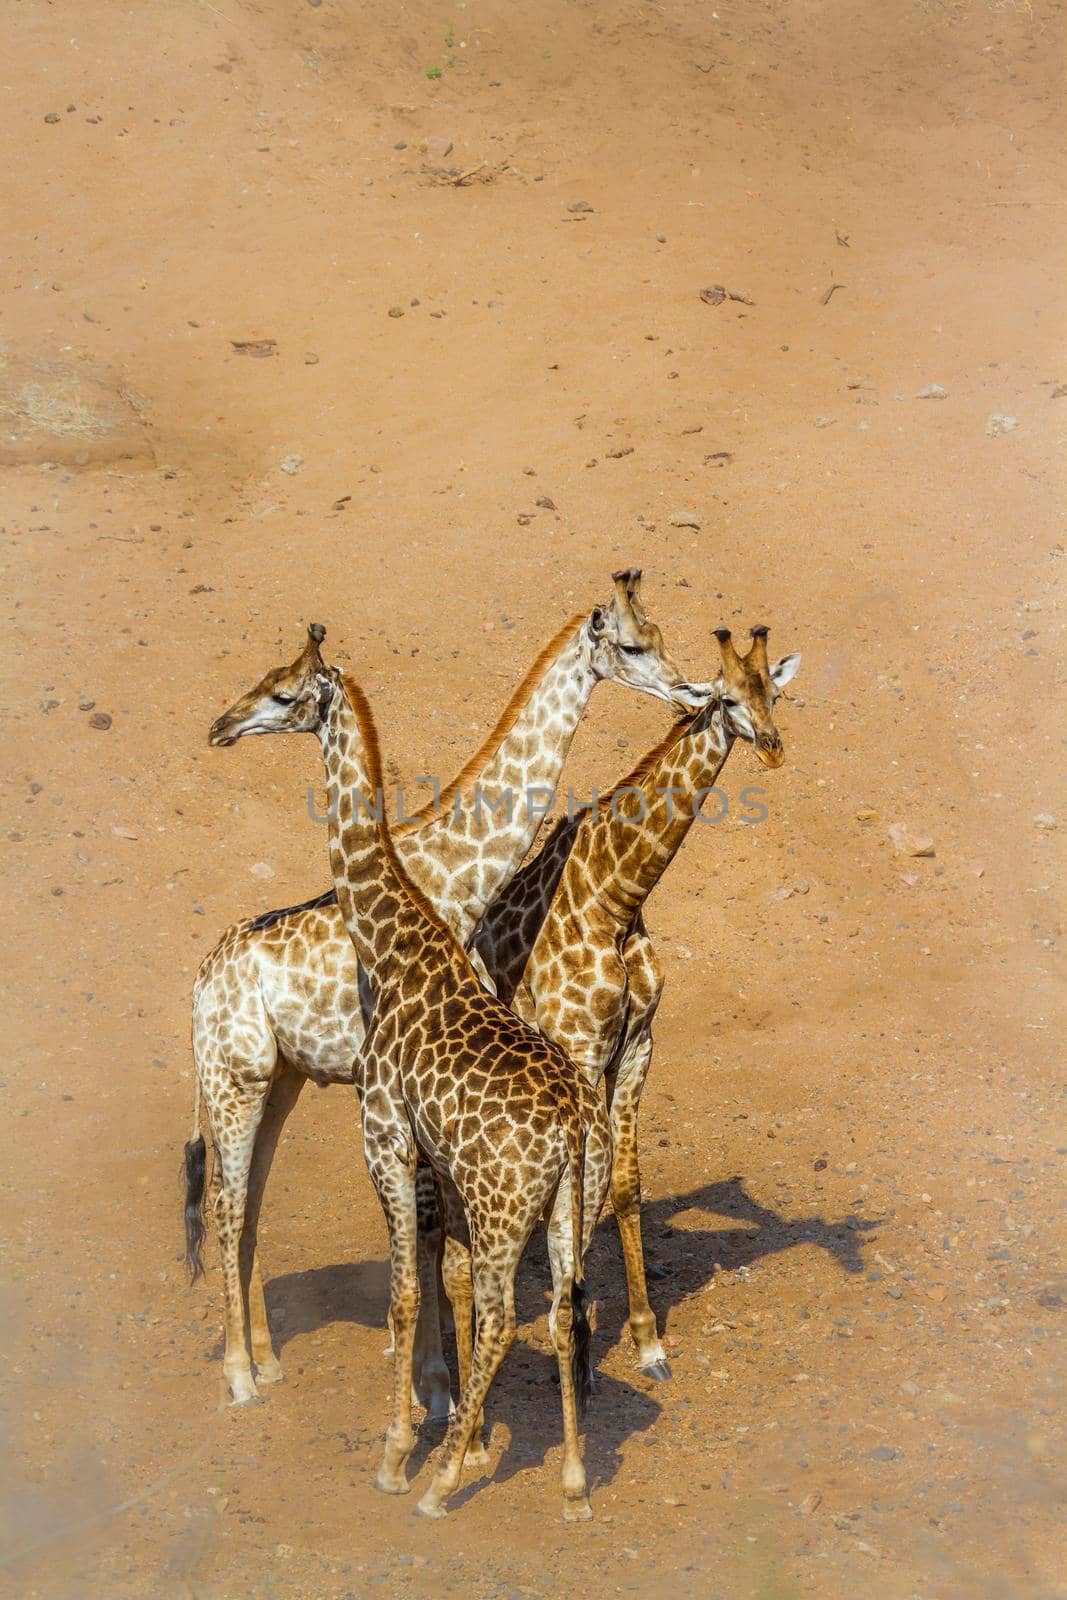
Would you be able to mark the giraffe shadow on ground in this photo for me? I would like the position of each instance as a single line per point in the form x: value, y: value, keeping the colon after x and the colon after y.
x: 681, y: 1260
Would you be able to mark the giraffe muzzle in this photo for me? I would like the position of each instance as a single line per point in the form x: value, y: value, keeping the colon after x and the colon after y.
x: 769, y: 749
x: 220, y: 735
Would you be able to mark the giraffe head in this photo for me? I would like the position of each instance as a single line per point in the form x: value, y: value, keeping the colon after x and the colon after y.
x: 749, y: 686
x: 288, y: 700
x: 624, y: 645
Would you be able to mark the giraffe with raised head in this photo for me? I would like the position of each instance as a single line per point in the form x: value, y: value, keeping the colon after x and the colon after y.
x: 566, y: 944
x: 511, y: 1127
x: 275, y: 1003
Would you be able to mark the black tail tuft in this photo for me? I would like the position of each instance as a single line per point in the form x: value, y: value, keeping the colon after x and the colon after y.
x: 195, y: 1168
x: 581, y: 1366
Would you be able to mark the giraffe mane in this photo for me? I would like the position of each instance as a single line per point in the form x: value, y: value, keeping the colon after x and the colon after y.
x: 505, y: 722
x: 373, y: 754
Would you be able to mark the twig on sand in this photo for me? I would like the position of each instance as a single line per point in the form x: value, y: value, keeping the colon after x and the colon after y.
x: 460, y: 177
x: 824, y: 300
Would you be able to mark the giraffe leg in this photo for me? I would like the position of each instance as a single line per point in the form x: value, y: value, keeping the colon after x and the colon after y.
x: 625, y: 1094
x: 393, y: 1176
x: 459, y: 1288
x: 431, y: 1372
x: 576, y: 1506
x: 495, y: 1336
x: 283, y: 1096
x: 234, y: 1140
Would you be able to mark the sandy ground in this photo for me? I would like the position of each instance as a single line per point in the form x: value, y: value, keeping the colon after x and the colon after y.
x: 850, y: 1135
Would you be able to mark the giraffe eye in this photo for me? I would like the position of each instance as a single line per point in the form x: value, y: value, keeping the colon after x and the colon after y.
x: 283, y: 699
x: 632, y: 649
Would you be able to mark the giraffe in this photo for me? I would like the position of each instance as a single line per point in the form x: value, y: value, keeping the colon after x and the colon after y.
x: 273, y: 1003
x: 566, y: 943
x: 510, y: 1125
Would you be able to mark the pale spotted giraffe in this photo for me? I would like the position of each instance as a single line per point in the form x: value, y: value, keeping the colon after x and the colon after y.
x: 509, y: 1124
x: 274, y: 1004
x: 566, y: 945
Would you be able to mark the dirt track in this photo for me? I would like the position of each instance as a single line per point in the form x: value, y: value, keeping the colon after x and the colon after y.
x: 850, y: 1140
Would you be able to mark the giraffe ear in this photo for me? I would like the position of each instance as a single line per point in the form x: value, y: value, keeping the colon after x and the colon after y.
x: 597, y: 623
x: 785, y: 669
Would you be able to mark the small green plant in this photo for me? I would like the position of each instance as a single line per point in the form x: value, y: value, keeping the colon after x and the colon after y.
x: 433, y: 72
x: 450, y: 37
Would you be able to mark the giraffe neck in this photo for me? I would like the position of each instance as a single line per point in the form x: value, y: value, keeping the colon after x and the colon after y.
x: 633, y: 854
x: 489, y: 817
x: 391, y: 925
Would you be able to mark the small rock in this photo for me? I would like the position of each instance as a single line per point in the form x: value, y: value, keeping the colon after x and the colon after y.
x: 120, y: 831
x: 820, y: 1165
x: 524, y: 519
x: 52, y: 116
x: 311, y: 359
x: 546, y: 503
x: 824, y: 422
x: 261, y: 869
x: 292, y: 464
x: 884, y: 1452
x: 258, y: 349
x: 580, y: 205
x: 811, y: 1502
x: 684, y: 519
x: 86, y: 705
x: 438, y: 147
x: 1043, y: 820
x: 100, y: 720
x: 866, y: 815
x: 713, y: 296
x: 909, y: 843
x: 933, y: 391
x: 998, y: 424
x: 661, y: 238
x: 895, y: 1292
x: 396, y: 311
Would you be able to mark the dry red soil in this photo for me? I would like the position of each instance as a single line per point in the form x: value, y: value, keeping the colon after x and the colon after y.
x: 851, y: 1148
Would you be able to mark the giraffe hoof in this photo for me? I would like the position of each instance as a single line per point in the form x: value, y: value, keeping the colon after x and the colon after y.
x: 389, y: 1484
x: 577, y: 1510
x: 243, y: 1390
x: 660, y: 1370
x: 430, y: 1508
x: 476, y: 1456
x: 269, y: 1372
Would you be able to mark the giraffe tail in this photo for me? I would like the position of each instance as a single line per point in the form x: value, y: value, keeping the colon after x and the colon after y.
x: 581, y: 1363
x: 195, y: 1171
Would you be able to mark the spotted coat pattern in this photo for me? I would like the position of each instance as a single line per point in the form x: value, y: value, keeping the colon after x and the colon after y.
x: 566, y: 944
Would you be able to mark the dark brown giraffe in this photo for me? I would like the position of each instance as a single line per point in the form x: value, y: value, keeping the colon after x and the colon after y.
x: 510, y: 1125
